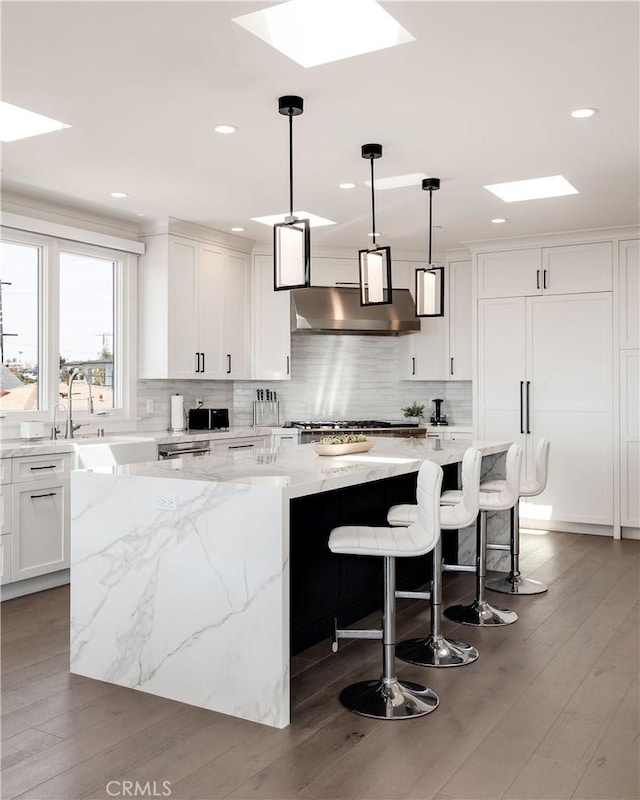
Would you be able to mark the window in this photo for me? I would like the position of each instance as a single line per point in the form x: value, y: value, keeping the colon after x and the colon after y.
x: 19, y: 345
x: 65, y: 306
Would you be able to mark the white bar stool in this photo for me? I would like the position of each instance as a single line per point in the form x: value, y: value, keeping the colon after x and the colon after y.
x: 435, y: 650
x: 387, y: 697
x: 480, y: 612
x: 514, y: 582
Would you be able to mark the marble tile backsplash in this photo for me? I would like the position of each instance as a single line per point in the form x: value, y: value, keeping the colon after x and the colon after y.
x: 332, y: 377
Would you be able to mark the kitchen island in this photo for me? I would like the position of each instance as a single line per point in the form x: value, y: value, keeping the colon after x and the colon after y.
x: 180, y: 581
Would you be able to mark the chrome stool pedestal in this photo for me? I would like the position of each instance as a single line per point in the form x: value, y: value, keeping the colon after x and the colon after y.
x: 514, y: 582
x: 480, y: 612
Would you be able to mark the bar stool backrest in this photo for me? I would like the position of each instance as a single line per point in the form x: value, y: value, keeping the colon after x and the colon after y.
x: 539, y: 484
x: 425, y: 532
x: 513, y: 471
x: 471, y: 464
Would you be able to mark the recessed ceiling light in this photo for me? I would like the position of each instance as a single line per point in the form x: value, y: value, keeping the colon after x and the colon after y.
x: 347, y: 186
x: 225, y: 129
x: 314, y: 221
x: 119, y: 195
x: 533, y: 189
x: 582, y: 113
x: 18, y: 123
x: 313, y: 32
x: 498, y: 220
x: 399, y: 181
x: 237, y: 230
x: 140, y: 214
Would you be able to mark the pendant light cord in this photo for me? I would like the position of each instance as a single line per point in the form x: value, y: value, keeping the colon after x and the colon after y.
x: 430, y: 209
x: 373, y: 206
x: 291, y: 162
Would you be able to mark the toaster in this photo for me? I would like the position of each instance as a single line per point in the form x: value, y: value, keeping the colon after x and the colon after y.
x: 208, y: 419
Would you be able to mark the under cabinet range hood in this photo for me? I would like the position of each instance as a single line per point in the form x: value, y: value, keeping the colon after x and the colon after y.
x: 337, y: 309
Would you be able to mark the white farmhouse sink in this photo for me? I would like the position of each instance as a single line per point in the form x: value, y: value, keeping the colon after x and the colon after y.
x: 109, y: 451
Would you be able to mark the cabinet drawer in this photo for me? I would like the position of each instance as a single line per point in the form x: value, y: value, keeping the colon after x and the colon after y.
x: 240, y: 445
x: 29, y: 468
x: 5, y: 559
x: 5, y: 470
x: 5, y: 509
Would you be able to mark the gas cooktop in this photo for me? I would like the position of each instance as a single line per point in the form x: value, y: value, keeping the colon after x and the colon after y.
x: 341, y: 424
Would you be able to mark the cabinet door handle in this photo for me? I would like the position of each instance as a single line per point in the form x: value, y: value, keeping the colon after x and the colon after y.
x: 287, y: 365
x: 197, y: 362
x: 202, y: 369
x: 537, y: 279
x: 544, y: 278
x: 48, y: 494
x: 528, y: 404
x: 228, y: 363
x: 47, y: 466
x: 451, y: 367
x: 239, y: 446
x: 413, y: 366
x: 521, y: 408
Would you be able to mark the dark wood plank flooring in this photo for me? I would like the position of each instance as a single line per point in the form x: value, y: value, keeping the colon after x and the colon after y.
x: 549, y: 711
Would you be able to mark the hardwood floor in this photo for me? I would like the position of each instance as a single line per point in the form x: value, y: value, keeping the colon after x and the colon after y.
x: 549, y: 711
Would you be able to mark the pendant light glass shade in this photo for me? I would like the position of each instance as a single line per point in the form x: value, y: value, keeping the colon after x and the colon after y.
x: 430, y: 279
x: 374, y: 262
x: 291, y: 239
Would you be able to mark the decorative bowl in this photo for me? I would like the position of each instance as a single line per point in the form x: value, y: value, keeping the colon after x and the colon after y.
x: 341, y: 449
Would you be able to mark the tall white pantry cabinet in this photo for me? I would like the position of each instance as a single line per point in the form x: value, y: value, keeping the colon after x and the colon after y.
x: 550, y: 321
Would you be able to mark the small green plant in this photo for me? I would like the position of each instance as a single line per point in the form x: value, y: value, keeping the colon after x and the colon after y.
x: 414, y: 410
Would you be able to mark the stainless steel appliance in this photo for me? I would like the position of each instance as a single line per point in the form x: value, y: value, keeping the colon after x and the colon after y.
x: 208, y: 419
x: 182, y: 449
x: 311, y: 430
x: 438, y: 418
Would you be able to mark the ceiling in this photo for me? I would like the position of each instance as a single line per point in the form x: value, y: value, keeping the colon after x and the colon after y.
x: 482, y: 96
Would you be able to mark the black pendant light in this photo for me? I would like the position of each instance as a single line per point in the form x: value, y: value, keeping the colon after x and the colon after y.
x: 430, y: 279
x: 291, y: 240
x: 374, y: 262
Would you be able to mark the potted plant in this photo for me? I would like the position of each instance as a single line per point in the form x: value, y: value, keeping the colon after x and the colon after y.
x: 415, y: 411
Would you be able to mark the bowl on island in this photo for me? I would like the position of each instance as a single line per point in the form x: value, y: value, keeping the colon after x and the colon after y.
x: 342, y: 444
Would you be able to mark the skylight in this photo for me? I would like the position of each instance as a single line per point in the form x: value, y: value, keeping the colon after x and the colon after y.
x: 314, y: 220
x: 313, y: 32
x: 533, y: 189
x: 18, y: 123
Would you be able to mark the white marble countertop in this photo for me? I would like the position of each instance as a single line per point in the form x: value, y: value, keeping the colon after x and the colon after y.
x: 35, y: 447
x: 299, y: 471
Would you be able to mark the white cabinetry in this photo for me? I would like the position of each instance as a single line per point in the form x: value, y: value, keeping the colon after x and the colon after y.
x: 562, y: 269
x: 194, y: 310
x: 5, y: 559
x: 629, y: 293
x: 271, y: 325
x: 240, y: 445
x: 545, y: 370
x: 630, y: 438
x: 40, y: 516
x: 442, y: 349
x: 335, y: 271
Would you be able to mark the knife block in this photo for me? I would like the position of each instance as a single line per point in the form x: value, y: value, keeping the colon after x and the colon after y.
x: 266, y: 413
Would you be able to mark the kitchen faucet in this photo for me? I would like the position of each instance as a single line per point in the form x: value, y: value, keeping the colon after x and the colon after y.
x: 70, y: 427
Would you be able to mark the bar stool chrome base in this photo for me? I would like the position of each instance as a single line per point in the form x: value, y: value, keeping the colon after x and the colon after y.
x: 392, y: 699
x: 516, y: 584
x: 481, y: 614
x: 436, y: 651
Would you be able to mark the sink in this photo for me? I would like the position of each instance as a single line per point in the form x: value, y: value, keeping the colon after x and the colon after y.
x: 109, y: 451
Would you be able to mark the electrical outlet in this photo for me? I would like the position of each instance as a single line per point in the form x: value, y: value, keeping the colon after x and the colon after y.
x: 166, y: 503
x: 149, y: 405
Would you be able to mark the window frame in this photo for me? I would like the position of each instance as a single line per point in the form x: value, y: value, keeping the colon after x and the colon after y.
x: 125, y: 327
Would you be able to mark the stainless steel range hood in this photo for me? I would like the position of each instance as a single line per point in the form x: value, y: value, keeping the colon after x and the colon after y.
x: 337, y: 309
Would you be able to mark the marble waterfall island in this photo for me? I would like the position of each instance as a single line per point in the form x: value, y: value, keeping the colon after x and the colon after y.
x: 180, y: 582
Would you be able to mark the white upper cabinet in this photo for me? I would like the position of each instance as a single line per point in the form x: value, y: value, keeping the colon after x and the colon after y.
x: 562, y: 269
x: 334, y: 271
x: 629, y: 293
x: 194, y: 310
x: 271, y: 325
x: 460, y: 318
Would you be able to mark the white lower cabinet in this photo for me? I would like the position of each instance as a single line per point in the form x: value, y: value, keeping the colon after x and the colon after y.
x: 545, y: 370
x: 5, y: 558
x: 630, y: 438
x: 40, y: 510
x: 240, y: 445
x: 5, y: 508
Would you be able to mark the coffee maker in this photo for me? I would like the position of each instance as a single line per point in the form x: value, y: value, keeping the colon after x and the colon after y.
x: 438, y: 418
